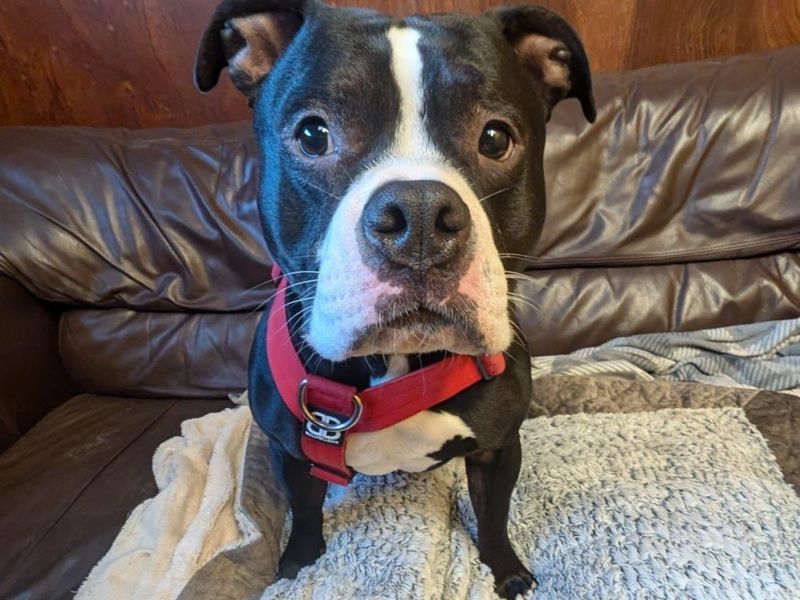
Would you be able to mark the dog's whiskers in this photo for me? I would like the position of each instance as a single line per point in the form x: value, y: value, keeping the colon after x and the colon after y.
x: 270, y: 280
x: 297, y: 319
x: 289, y: 274
x: 511, y: 356
x: 519, y: 336
x: 500, y: 191
x: 255, y: 287
x: 320, y: 359
x: 525, y: 257
x: 288, y: 287
x: 521, y: 300
x: 518, y: 299
x: 321, y: 189
x: 518, y: 276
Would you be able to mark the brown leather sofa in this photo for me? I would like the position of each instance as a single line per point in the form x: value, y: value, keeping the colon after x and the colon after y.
x: 132, y: 273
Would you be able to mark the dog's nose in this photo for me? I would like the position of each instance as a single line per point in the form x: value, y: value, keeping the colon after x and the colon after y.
x: 417, y: 224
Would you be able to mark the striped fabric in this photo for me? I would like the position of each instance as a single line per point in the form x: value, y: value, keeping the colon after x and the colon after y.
x: 759, y: 355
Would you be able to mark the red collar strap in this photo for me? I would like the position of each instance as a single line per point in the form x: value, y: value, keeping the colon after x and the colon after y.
x: 330, y: 410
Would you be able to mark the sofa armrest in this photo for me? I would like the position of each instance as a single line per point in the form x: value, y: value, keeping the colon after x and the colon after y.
x: 32, y: 378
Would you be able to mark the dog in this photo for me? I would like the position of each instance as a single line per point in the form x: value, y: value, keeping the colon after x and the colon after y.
x: 402, y: 184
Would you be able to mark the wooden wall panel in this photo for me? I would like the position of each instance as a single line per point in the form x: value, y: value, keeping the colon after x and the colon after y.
x: 128, y: 62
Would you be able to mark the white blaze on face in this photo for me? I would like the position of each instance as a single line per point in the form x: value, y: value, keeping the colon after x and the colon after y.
x: 411, y: 140
x: 347, y: 289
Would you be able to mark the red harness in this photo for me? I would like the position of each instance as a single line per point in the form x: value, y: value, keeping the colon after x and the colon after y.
x: 329, y: 411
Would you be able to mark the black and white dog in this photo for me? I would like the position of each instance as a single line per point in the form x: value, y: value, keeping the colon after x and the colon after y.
x: 402, y: 182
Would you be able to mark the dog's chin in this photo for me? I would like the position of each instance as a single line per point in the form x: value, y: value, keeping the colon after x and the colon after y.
x: 420, y: 332
x: 412, y: 327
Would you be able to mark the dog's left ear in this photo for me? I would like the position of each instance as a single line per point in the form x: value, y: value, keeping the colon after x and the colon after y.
x: 550, y: 48
x: 247, y: 36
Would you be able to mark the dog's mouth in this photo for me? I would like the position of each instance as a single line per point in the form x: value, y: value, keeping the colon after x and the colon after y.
x: 422, y: 329
x: 422, y: 319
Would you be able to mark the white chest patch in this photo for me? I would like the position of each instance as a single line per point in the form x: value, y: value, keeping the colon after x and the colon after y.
x: 396, y: 366
x: 406, y: 445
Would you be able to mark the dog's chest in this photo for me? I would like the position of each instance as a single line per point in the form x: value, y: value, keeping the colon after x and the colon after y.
x: 411, y: 445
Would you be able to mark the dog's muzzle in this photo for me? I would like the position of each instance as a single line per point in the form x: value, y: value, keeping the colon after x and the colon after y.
x: 416, y: 224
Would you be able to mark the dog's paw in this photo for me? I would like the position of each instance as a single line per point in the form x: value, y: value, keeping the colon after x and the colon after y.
x: 517, y: 586
x: 299, y: 553
x: 288, y: 568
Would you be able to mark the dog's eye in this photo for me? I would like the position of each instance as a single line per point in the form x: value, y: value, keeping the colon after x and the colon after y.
x: 313, y: 137
x: 496, y: 140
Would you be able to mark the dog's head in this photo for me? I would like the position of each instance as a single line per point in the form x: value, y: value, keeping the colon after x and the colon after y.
x: 402, y: 161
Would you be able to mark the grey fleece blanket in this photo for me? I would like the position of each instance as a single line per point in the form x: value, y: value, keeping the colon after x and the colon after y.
x: 667, y: 504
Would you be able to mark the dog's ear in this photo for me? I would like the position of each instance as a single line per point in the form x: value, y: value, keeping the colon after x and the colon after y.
x: 550, y: 48
x: 247, y: 36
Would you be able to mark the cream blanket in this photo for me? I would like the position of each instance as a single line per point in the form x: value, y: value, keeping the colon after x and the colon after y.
x: 195, y: 516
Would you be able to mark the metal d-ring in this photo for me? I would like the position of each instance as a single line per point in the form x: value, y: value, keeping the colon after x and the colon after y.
x: 358, y: 408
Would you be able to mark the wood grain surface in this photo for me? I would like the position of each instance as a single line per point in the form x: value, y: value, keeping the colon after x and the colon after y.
x: 128, y: 62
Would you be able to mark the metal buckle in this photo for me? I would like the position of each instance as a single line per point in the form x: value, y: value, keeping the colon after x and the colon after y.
x: 358, y: 408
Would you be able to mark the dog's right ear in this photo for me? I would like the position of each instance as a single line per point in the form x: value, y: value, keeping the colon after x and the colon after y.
x: 247, y: 36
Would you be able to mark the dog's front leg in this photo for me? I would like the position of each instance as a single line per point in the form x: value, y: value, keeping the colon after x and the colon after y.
x: 306, y: 495
x: 491, y: 476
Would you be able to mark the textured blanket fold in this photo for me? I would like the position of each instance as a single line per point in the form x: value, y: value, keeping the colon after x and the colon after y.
x: 666, y: 504
x: 759, y: 355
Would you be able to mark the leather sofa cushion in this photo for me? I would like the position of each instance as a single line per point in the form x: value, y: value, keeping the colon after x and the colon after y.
x: 152, y: 219
x: 158, y: 354
x: 32, y: 379
x: 580, y: 308
x: 69, y: 484
x: 686, y: 163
